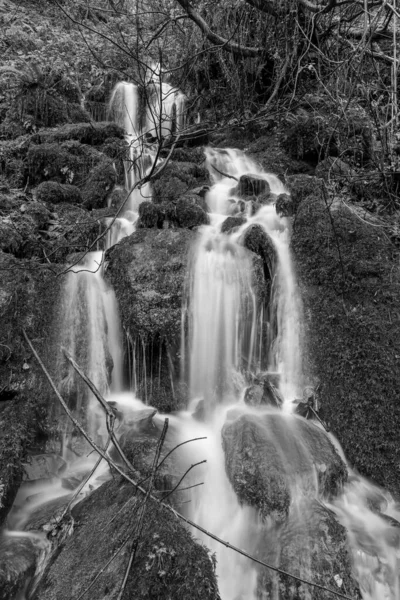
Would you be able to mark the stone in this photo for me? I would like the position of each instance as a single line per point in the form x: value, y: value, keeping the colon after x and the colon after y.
x: 267, y: 454
x: 18, y: 557
x: 148, y: 215
x: 311, y: 544
x: 43, y: 466
x: 101, y: 180
x: 284, y: 205
x: 189, y: 214
x: 168, y: 562
x: 177, y: 179
x: 54, y: 192
x: 255, y: 239
x: 252, y: 185
x: 232, y: 224
x: 93, y: 134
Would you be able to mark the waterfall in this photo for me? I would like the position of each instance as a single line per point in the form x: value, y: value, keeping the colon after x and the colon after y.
x: 225, y: 344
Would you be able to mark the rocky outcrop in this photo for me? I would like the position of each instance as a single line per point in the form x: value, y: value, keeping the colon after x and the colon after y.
x: 148, y: 271
x: 167, y: 562
x: 284, y: 205
x: 349, y: 277
x: 266, y: 455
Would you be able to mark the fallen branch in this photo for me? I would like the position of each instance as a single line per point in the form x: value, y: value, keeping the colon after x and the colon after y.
x: 224, y: 174
x: 167, y: 507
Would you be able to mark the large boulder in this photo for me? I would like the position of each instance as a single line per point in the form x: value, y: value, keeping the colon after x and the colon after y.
x: 301, y: 186
x: 148, y: 271
x: 268, y: 455
x: 349, y: 277
x: 168, y: 563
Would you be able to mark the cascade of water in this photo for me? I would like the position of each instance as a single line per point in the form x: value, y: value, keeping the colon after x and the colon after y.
x: 218, y: 309
x: 223, y: 319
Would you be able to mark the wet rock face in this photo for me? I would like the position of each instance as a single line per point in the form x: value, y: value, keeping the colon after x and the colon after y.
x: 312, y: 545
x: 232, y: 223
x: 168, y: 563
x: 256, y: 240
x: 263, y: 392
x: 266, y: 454
x: 147, y: 271
x: 18, y: 561
x: 252, y: 185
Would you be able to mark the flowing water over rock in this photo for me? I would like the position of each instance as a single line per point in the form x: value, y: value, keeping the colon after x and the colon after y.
x: 274, y: 484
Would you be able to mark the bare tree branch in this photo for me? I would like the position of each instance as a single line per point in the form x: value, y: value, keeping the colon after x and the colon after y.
x: 232, y: 47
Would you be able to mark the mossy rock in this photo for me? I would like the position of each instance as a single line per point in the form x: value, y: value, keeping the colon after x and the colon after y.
x: 189, y: 214
x: 168, y: 562
x: 232, y: 224
x: 349, y: 277
x: 100, y: 183
x: 255, y: 239
x: 177, y: 179
x: 92, y: 134
x: 69, y: 162
x: 54, y: 192
x: 265, y: 454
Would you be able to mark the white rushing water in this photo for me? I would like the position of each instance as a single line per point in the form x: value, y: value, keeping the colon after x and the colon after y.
x: 232, y: 337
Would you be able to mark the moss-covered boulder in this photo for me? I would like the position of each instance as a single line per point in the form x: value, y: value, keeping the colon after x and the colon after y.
x: 349, y: 278
x: 167, y: 563
x: 99, y: 184
x: 149, y: 215
x: 267, y: 454
x: 148, y: 272
x: 93, y: 134
x: 177, y: 179
x: 54, y: 192
x: 73, y: 163
x: 189, y: 214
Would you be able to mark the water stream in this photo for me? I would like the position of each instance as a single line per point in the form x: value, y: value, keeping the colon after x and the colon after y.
x: 232, y: 335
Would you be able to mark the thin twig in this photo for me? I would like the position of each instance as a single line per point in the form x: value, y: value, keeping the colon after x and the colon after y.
x: 167, y: 507
x: 135, y: 542
x: 224, y: 174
